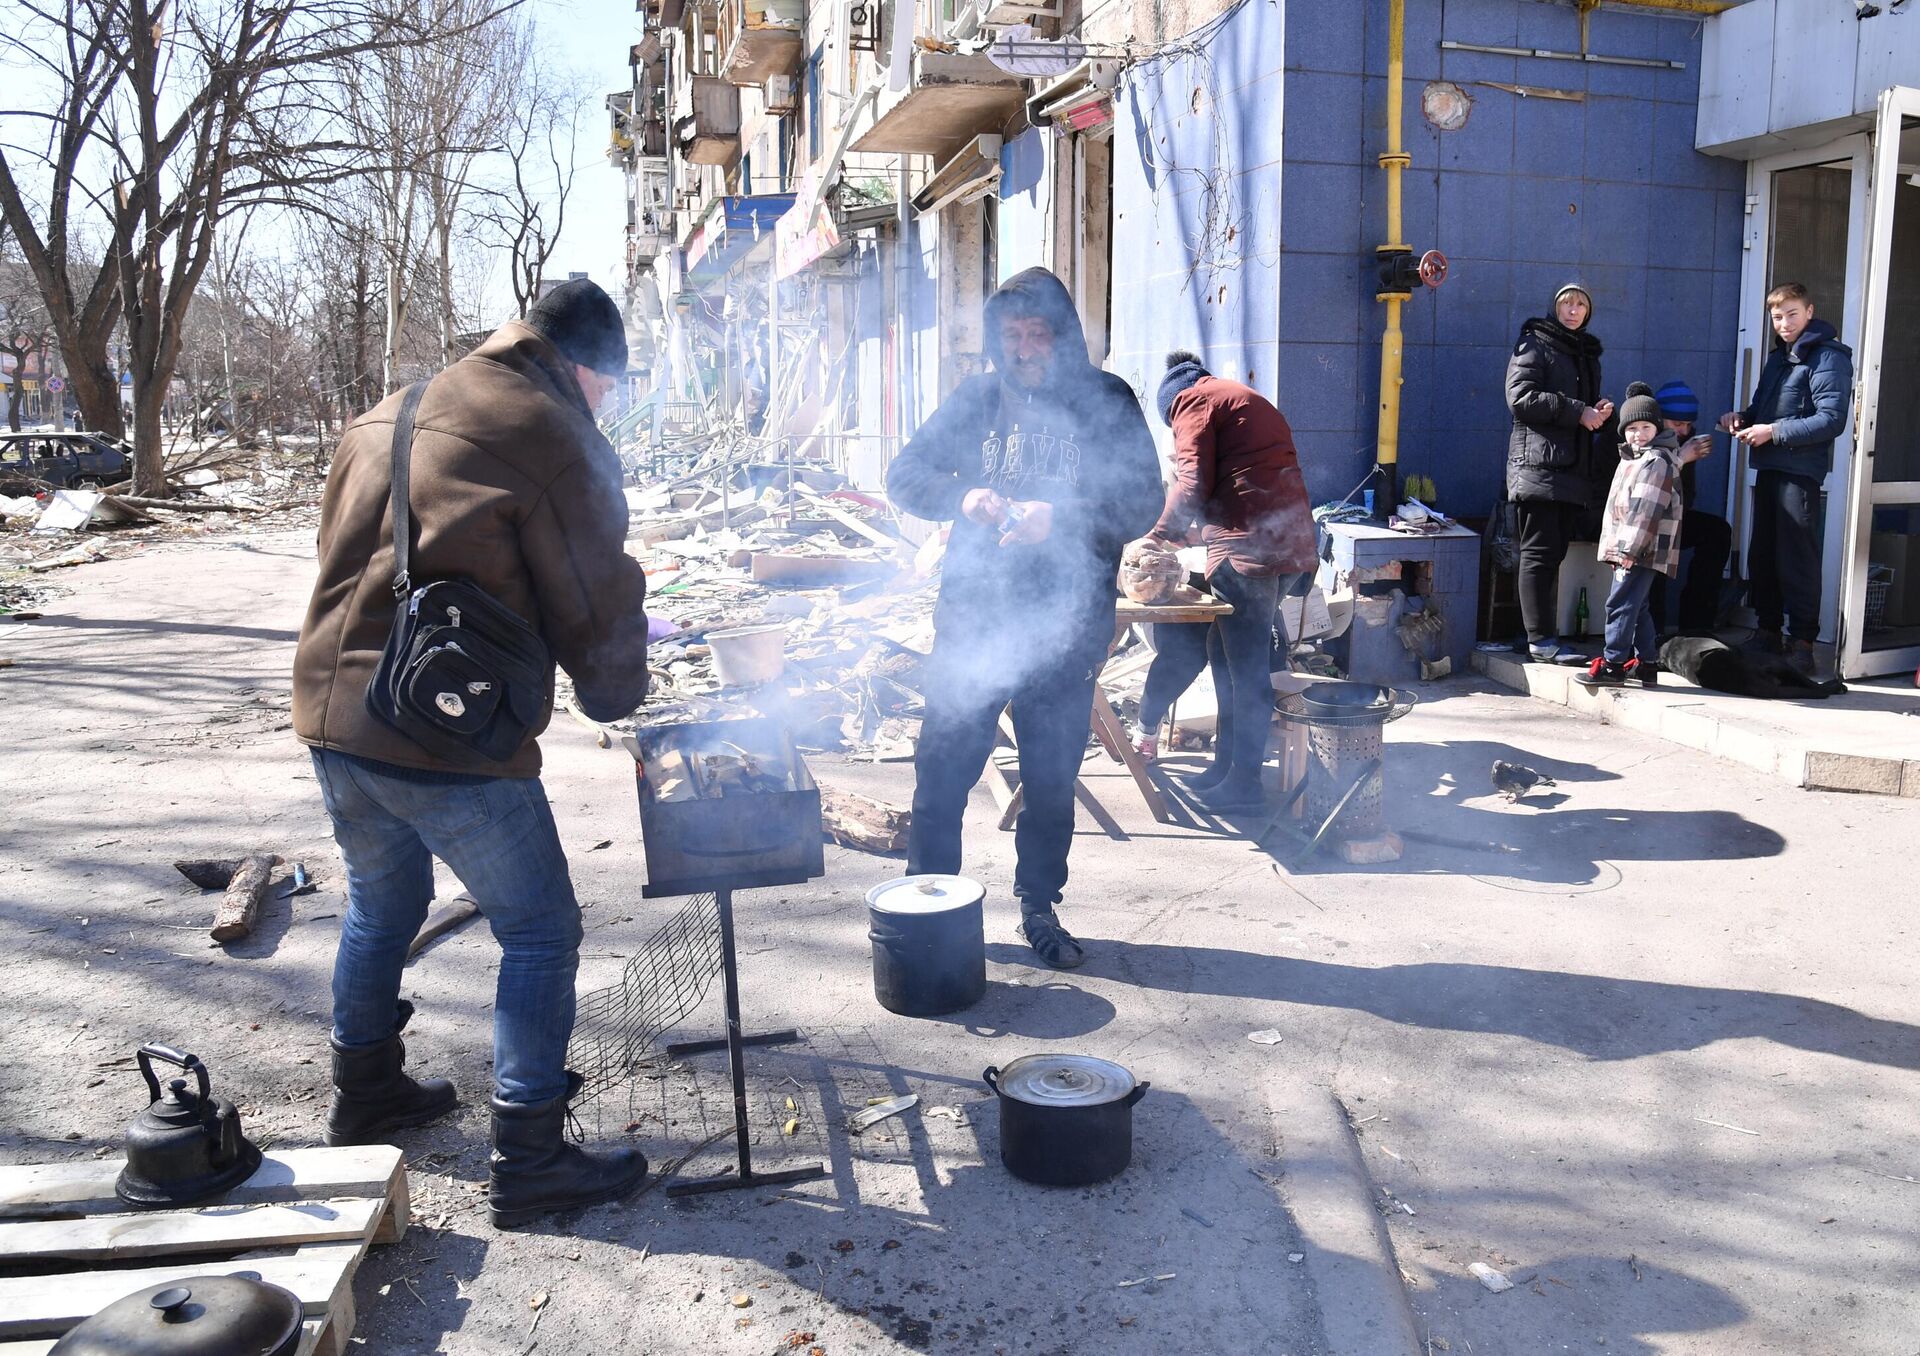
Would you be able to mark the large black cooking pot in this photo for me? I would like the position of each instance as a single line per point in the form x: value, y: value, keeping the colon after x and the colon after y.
x: 929, y: 944
x: 237, y: 1315
x: 1065, y: 1120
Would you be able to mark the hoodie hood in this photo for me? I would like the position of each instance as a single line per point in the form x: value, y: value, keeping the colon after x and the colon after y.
x: 1665, y: 441
x: 1038, y: 292
x: 1550, y: 330
x: 1816, y: 333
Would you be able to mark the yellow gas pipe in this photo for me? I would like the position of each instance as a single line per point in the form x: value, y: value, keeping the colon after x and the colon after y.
x: 1393, y: 160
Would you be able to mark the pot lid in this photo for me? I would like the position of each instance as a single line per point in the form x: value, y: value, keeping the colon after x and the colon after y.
x: 1346, y: 696
x: 1065, y: 1080
x: 237, y: 1315
x: 925, y: 894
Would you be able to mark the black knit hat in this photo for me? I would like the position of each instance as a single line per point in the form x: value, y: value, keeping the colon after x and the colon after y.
x: 1640, y: 407
x: 1183, y: 370
x: 580, y: 320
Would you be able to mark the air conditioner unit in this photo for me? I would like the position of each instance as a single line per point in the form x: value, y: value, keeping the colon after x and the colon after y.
x: 1078, y: 101
x: 782, y: 94
x: 969, y: 176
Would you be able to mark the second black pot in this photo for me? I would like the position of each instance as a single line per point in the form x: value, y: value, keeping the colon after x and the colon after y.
x: 1065, y: 1120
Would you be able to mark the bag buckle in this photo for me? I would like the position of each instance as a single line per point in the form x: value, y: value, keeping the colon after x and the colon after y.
x: 402, y: 584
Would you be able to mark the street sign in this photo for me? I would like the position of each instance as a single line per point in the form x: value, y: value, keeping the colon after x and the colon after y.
x: 55, y: 385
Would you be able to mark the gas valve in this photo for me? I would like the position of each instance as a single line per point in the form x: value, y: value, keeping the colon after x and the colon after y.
x: 1403, y: 271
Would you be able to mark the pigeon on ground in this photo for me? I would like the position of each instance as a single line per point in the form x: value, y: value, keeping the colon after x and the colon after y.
x: 1514, y: 781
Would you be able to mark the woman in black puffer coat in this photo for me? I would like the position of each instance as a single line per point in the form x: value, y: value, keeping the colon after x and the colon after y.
x: 1554, y: 451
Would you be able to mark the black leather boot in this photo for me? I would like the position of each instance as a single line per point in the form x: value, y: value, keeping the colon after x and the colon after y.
x: 536, y: 1171
x: 372, y: 1095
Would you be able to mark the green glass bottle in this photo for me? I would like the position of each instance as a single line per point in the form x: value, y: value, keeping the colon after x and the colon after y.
x: 1580, y: 613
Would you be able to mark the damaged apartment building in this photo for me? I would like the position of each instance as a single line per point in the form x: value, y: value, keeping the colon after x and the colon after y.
x: 823, y: 192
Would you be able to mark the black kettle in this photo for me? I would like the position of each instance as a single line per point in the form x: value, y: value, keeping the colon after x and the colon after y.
x: 186, y: 1146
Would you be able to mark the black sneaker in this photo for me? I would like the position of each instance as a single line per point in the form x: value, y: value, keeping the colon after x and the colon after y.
x: 1643, y: 672
x: 1602, y: 672
x: 1050, y: 942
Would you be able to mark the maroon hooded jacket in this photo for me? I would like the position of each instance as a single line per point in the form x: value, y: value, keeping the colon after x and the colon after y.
x: 1236, y: 475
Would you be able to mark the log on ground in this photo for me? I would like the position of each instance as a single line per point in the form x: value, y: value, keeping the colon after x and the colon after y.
x: 862, y: 822
x: 246, y: 894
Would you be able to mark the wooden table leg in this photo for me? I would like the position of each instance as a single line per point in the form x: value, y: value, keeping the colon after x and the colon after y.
x: 1113, y: 735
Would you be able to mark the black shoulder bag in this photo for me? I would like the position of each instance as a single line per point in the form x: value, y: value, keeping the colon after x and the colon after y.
x: 462, y: 675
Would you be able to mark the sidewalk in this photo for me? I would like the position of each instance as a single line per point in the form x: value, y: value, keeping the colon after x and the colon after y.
x: 1866, y: 741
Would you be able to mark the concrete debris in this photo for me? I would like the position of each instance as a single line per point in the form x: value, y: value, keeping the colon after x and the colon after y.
x: 1495, y: 1281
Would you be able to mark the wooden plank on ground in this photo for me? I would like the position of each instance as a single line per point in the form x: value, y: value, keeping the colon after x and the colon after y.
x: 86, y: 1187
x: 853, y: 521
x: 220, y: 1228
x: 456, y: 912
x: 45, y: 1306
x: 40, y: 1346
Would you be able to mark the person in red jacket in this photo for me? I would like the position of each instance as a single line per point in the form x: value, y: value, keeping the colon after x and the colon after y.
x: 1237, y: 478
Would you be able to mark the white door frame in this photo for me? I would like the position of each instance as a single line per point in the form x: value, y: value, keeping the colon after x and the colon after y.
x: 1896, y: 104
x: 1756, y: 341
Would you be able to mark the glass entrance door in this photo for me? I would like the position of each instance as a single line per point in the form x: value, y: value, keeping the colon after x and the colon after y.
x: 1880, y: 601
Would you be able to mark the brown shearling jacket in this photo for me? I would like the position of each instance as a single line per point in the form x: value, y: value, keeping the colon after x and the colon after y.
x: 514, y: 488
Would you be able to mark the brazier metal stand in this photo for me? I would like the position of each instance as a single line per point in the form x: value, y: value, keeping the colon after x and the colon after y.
x: 735, y: 1043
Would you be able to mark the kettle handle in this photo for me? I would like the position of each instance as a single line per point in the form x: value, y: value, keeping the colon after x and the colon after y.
x: 992, y: 1077
x: 1139, y: 1091
x: 191, y: 1063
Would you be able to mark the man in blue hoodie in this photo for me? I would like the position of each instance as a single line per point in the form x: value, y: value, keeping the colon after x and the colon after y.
x: 1046, y: 469
x: 1798, y: 409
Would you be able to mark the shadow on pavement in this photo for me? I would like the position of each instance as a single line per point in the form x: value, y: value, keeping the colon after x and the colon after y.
x: 1638, y: 1318
x: 1593, y: 1015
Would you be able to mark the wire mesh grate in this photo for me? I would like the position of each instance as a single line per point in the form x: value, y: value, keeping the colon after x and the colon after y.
x: 615, y: 1027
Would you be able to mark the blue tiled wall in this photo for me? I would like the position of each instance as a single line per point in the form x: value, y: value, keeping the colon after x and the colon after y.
x: 1197, y: 206
x: 1531, y: 193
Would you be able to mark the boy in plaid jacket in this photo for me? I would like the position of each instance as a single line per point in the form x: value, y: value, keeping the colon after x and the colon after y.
x: 1640, y: 538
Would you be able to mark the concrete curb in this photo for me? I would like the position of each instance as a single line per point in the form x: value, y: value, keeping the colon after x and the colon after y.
x: 1364, y: 1310
x: 1685, y: 716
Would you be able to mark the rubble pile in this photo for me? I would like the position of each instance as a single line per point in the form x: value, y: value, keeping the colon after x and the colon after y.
x: 217, y: 491
x: 737, y: 549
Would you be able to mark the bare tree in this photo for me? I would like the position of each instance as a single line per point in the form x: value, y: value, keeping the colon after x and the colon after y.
x: 157, y: 118
x: 25, y: 330
x: 425, y: 113
x: 528, y: 210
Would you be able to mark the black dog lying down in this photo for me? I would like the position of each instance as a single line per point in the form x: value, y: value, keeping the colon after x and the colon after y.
x: 1709, y: 663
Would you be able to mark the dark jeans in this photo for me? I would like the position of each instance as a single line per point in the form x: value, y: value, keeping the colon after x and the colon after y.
x: 1179, y: 653
x: 1546, y: 527
x: 1052, y: 716
x: 1784, y: 554
x: 1240, y: 653
x: 1711, y: 541
x: 498, y: 836
x: 1630, y: 631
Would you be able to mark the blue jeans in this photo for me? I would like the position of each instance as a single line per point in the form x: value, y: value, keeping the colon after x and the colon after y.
x: 498, y: 836
x: 1240, y: 654
x: 1630, y: 629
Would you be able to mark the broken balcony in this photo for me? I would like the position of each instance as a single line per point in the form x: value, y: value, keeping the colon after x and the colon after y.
x: 949, y: 97
x: 761, y: 39
x: 706, y: 124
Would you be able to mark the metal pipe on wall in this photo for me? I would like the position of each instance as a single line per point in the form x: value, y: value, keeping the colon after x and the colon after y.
x: 903, y: 306
x: 1393, y: 160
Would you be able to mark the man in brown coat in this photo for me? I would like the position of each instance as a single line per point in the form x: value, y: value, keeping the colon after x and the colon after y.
x: 1237, y: 478
x: 513, y: 488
